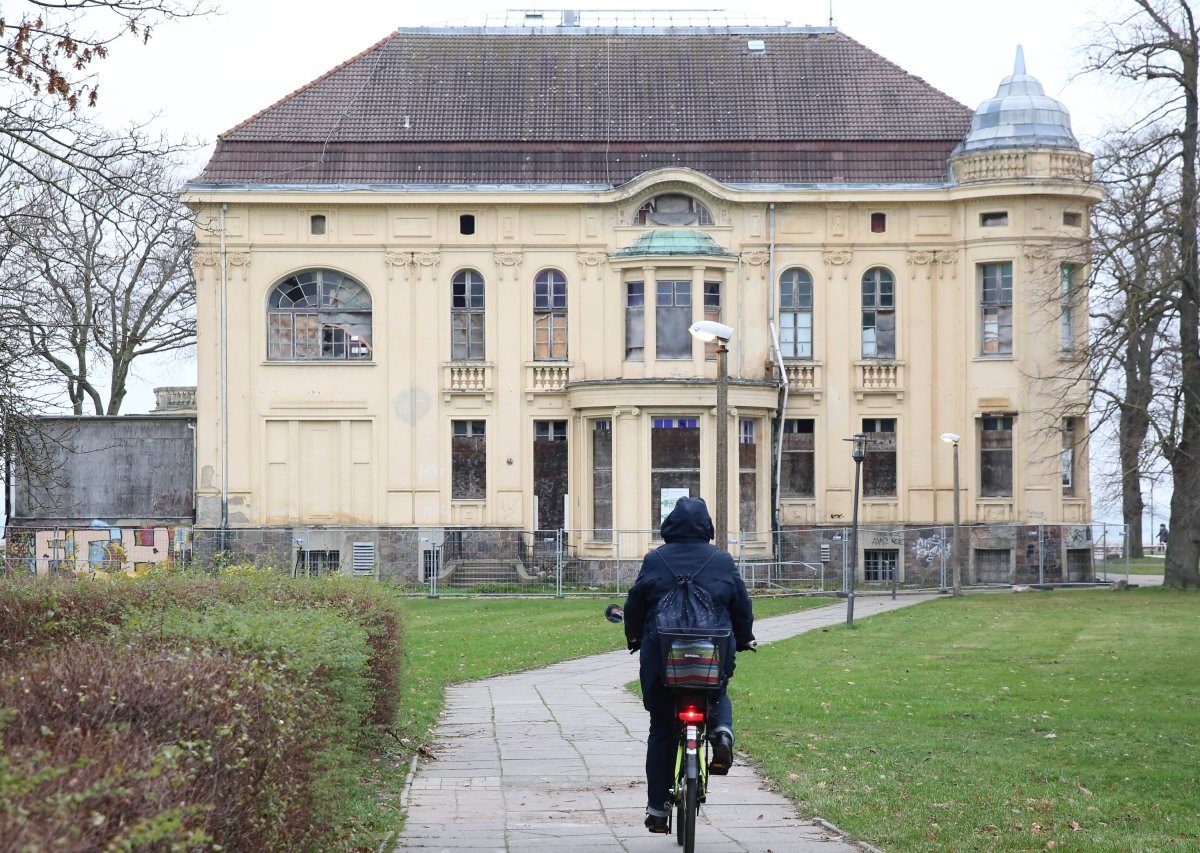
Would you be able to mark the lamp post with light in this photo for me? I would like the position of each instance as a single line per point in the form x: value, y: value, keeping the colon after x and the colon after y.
x: 858, y: 452
x: 956, y: 554
x: 707, y: 331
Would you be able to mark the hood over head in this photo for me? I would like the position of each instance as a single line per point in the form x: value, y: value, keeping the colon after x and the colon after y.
x: 689, y: 520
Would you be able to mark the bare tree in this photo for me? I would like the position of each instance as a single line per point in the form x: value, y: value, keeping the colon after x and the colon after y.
x: 101, y: 276
x: 1133, y: 351
x: 1158, y: 46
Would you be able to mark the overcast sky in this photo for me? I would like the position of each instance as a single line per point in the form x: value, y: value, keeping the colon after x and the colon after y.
x: 200, y: 77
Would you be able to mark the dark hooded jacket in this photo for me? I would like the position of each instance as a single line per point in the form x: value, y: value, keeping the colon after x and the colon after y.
x: 687, y: 533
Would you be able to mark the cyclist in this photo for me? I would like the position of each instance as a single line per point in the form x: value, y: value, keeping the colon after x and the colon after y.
x: 687, y: 533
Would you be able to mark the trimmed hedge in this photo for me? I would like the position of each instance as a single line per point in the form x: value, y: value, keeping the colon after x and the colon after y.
x: 189, y: 711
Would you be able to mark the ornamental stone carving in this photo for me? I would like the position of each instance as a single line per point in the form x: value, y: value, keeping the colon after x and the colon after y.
x: 838, y: 258
x: 756, y: 257
x: 427, y: 259
x: 397, y: 259
x: 592, y: 259
x: 931, y: 259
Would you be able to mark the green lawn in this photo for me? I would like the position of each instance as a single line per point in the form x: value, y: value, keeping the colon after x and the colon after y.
x: 1059, y: 720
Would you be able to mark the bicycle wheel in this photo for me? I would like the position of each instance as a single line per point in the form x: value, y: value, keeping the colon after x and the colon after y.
x: 690, y: 805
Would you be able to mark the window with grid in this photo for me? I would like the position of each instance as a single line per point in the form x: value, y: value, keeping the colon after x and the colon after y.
x: 602, y: 482
x: 467, y: 317
x: 879, y: 564
x: 318, y: 315
x: 712, y: 311
x: 879, y: 466
x: 674, y: 460
x: 796, y: 313
x: 319, y: 562
x: 878, y: 314
x: 550, y: 316
x: 996, y: 456
x: 1067, y: 307
x: 468, y: 460
x: 993, y: 565
x: 796, y: 476
x: 673, y: 316
x: 996, y: 309
x: 748, y: 474
x: 635, y: 321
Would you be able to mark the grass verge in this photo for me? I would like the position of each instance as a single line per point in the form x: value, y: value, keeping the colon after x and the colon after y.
x: 1062, y: 721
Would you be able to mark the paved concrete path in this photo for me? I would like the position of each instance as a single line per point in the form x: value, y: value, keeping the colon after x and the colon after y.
x: 553, y: 759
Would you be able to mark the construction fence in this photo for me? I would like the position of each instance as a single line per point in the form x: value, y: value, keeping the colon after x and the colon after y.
x: 503, y: 561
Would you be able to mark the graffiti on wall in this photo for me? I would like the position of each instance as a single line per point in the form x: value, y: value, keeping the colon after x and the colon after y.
x: 102, y: 548
x: 930, y: 549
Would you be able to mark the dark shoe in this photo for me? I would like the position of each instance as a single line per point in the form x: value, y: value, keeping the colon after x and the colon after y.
x: 656, y: 824
x: 722, y: 754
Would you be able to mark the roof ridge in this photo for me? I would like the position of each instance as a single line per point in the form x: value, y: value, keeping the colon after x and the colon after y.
x: 360, y: 55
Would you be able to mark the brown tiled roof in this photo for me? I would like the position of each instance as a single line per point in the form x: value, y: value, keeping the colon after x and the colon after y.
x: 596, y: 106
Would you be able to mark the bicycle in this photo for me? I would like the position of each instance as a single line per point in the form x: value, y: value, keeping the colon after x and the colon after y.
x: 693, y: 752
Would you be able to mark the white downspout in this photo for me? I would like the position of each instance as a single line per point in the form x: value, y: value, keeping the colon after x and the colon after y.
x: 777, y: 356
x: 224, y: 382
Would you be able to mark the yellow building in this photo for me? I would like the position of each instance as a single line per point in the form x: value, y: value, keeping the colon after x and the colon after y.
x: 448, y: 285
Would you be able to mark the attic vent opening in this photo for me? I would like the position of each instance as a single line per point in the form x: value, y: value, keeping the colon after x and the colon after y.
x: 466, y: 224
x: 756, y: 46
x: 316, y: 224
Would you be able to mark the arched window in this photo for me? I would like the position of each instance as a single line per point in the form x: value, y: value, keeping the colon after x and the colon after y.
x: 550, y: 316
x: 796, y: 313
x: 673, y: 209
x: 318, y: 315
x: 467, y: 317
x: 878, y: 314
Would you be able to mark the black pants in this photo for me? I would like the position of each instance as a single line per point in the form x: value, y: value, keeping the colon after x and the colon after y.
x: 660, y: 745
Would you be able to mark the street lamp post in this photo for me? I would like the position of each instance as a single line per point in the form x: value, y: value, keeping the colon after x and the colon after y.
x: 956, y: 555
x: 709, y: 330
x: 858, y: 452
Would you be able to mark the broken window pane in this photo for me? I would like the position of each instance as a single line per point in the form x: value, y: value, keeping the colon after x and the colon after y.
x: 635, y: 320
x: 878, y: 314
x: 319, y: 314
x: 672, y: 319
x: 467, y: 317
x: 879, y: 466
x: 995, y: 456
x: 673, y: 209
x: 748, y: 474
x: 995, y: 305
x: 550, y: 316
x: 796, y: 313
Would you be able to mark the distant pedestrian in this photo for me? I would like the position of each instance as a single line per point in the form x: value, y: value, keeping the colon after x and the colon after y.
x: 1163, y: 535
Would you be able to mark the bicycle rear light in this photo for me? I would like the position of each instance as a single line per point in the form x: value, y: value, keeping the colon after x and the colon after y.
x: 691, y: 714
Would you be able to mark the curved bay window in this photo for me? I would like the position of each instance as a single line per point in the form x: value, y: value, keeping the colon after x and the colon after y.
x: 319, y: 315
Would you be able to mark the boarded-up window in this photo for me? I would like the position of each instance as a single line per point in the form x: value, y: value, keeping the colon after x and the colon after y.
x: 996, y: 456
x: 996, y: 309
x: 748, y: 474
x: 673, y: 209
x: 673, y: 316
x: 635, y: 321
x: 602, y: 483
x: 550, y: 316
x: 674, y: 462
x: 879, y: 466
x: 878, y: 314
x: 550, y: 473
x: 712, y: 311
x: 1068, y: 457
x: 467, y: 317
x: 879, y: 564
x: 993, y: 565
x: 318, y: 315
x: 796, y: 313
x: 796, y: 476
x: 468, y: 460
